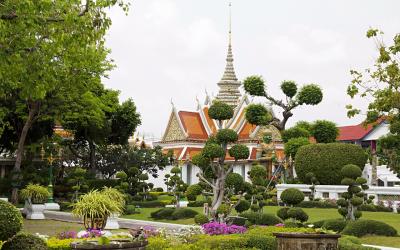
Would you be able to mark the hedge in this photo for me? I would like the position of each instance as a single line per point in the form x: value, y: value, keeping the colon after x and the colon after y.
x: 326, y: 161
x: 149, y: 204
x: 24, y: 241
x: 352, y: 243
x: 173, y: 213
x: 336, y: 225
x: 11, y: 220
x: 360, y: 228
x: 317, y: 204
x: 261, y: 219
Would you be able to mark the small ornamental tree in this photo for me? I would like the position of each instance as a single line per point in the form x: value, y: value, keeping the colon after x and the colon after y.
x: 176, y: 184
x: 354, y: 197
x: 292, y: 197
x: 310, y: 94
x: 292, y: 146
x: 311, y: 179
x: 211, y: 161
x: 193, y: 191
x: 257, y: 175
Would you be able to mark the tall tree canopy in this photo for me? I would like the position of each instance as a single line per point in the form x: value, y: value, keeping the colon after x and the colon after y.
x: 310, y: 94
x: 48, y: 49
x: 381, y: 84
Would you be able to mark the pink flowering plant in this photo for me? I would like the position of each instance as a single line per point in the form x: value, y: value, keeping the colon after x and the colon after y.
x: 216, y: 228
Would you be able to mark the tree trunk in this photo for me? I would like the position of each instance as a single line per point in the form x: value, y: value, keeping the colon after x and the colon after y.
x: 33, y: 109
x: 92, y: 156
x: 219, y: 194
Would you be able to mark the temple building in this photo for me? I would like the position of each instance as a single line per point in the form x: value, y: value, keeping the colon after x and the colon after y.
x: 187, y: 131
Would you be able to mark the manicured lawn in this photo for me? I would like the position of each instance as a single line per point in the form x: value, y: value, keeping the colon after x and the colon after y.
x: 381, y: 241
x: 49, y: 227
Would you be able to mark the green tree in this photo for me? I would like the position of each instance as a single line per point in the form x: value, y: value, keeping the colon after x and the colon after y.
x: 381, y: 84
x: 211, y: 160
x: 310, y: 94
x: 292, y: 146
x: 324, y: 131
x: 47, y: 49
x: 176, y: 184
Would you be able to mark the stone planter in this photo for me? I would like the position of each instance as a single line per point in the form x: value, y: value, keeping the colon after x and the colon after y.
x: 115, y: 245
x: 52, y: 206
x: 301, y: 241
x: 35, y: 212
x: 112, y: 222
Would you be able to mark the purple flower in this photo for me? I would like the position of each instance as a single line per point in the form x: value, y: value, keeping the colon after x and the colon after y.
x: 280, y: 225
x: 215, y: 228
x: 67, y: 235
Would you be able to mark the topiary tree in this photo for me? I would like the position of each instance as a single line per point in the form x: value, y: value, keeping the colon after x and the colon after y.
x: 324, y: 131
x: 354, y: 197
x: 176, y: 184
x: 11, y: 220
x: 326, y: 161
x: 295, y: 132
x: 292, y: 146
x: 24, y: 241
x: 311, y: 179
x: 242, y: 206
x: 193, y: 191
x: 258, y: 189
x: 292, y: 197
x: 310, y: 94
x: 211, y: 161
x: 77, y: 179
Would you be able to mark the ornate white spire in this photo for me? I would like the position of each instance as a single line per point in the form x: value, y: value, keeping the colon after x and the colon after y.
x: 229, y: 84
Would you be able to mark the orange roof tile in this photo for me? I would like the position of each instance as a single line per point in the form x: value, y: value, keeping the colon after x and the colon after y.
x: 191, y: 151
x: 210, y: 122
x: 246, y: 131
x: 237, y: 123
x: 193, y: 125
x: 177, y: 151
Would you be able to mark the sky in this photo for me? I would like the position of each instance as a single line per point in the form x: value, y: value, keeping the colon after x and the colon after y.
x: 174, y: 50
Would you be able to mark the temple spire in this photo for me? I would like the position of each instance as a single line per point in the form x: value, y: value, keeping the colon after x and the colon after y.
x: 229, y: 84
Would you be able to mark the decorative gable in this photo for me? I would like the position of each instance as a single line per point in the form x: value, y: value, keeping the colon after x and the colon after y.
x: 174, y: 132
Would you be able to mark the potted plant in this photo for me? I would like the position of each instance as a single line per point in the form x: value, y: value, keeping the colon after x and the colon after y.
x: 94, y: 208
x: 35, y: 196
x: 116, y: 196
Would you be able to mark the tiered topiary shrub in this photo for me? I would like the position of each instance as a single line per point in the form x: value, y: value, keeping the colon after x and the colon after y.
x: 353, y: 198
x: 24, y: 241
x: 292, y: 197
x: 10, y: 220
x: 326, y: 161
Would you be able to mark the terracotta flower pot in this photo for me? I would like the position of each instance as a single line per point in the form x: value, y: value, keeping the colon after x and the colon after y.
x: 295, y: 241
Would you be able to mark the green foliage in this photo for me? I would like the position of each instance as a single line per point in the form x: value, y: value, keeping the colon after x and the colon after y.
x: 35, y: 193
x: 239, y: 152
x: 220, y: 111
x: 200, y: 161
x: 163, y: 213
x: 242, y: 206
x: 295, y: 132
x: 292, y: 146
x: 96, y: 205
x: 292, y: 196
x: 326, y: 161
x: 261, y: 218
x: 352, y: 243
x: 258, y: 114
x: 325, y: 131
x: 262, y: 242
x: 351, y: 171
x: 23, y: 241
x: 212, y: 151
x: 289, y: 88
x: 234, y: 181
x: 283, y: 213
x: 310, y: 94
x: 222, y: 242
x: 360, y: 228
x: 11, y: 220
x: 173, y: 213
x: 254, y: 85
x: 336, y: 225
x: 193, y: 191
x: 257, y: 175
x: 297, y: 214
x: 54, y: 243
x: 226, y: 136
x: 201, y: 219
x: 224, y: 209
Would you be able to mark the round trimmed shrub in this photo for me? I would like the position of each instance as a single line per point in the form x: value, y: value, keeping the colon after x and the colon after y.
x: 258, y: 114
x: 163, y: 213
x: 254, y: 85
x: 268, y: 220
x: 336, y: 225
x: 327, y: 160
x: 310, y: 94
x: 360, y: 228
x: 297, y: 214
x: 283, y: 213
x: 325, y: 131
x: 289, y: 88
x: 351, y: 171
x: 11, y: 220
x: 226, y: 136
x: 23, y: 241
x: 193, y: 191
x: 183, y: 213
x: 220, y: 111
x: 292, y: 196
x: 201, y: 219
x: 223, y: 209
x: 243, y: 205
x: 239, y: 151
x: 212, y: 151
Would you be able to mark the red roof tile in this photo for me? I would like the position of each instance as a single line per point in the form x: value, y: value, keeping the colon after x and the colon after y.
x: 356, y: 132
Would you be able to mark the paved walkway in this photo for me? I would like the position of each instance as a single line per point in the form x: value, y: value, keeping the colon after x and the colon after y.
x: 124, y: 223
x: 382, y: 248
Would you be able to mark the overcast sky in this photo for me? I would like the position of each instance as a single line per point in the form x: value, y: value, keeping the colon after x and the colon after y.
x: 175, y: 49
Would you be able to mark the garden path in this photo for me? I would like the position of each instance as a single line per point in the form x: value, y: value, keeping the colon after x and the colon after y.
x: 382, y: 248
x: 124, y: 223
